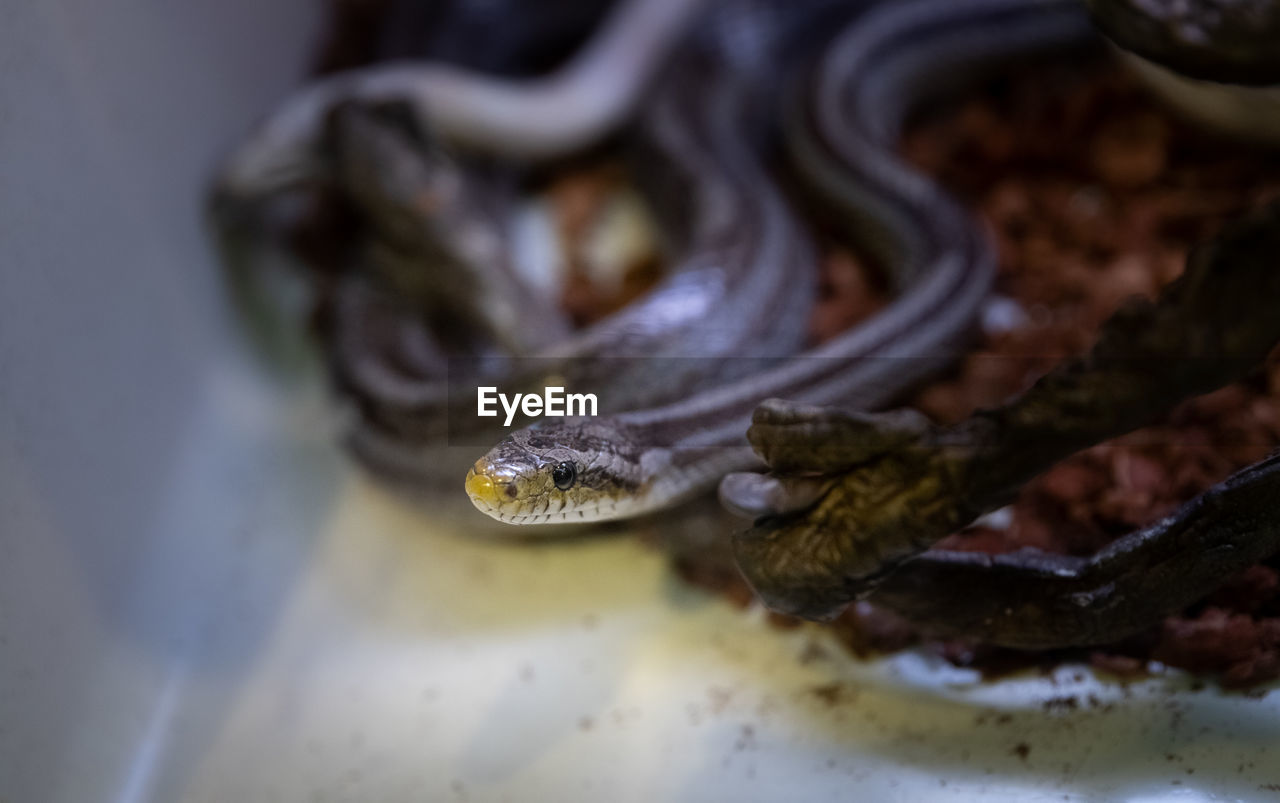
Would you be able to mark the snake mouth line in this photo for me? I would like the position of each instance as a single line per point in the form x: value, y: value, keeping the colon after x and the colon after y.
x: 492, y: 496
x: 542, y: 518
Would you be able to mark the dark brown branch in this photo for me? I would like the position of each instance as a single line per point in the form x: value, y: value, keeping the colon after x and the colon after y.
x: 1208, y: 328
x: 1034, y: 600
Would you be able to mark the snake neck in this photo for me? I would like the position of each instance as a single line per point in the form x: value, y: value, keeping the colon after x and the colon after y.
x: 844, y: 142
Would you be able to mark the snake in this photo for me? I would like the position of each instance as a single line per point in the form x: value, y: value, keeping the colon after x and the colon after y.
x: 1223, y: 41
x: 523, y: 119
x: 842, y: 138
x: 744, y: 277
x: 421, y: 207
x: 457, y: 258
x: 737, y: 297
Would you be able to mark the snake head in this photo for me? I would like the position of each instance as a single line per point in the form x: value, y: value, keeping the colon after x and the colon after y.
x: 559, y: 471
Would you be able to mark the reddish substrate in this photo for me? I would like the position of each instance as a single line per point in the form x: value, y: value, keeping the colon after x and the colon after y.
x: 1094, y: 194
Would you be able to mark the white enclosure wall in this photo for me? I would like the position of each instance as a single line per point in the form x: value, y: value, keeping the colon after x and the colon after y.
x: 115, y: 340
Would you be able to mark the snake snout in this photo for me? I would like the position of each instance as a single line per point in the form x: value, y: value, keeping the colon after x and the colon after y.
x: 490, y: 488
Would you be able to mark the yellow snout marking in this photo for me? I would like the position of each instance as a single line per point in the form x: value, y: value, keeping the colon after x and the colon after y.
x: 481, y: 487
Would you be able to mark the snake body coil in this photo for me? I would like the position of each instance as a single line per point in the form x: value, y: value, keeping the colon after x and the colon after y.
x: 745, y: 277
x: 844, y: 141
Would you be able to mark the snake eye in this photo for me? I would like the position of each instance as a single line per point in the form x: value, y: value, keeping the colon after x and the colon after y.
x: 564, y: 474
